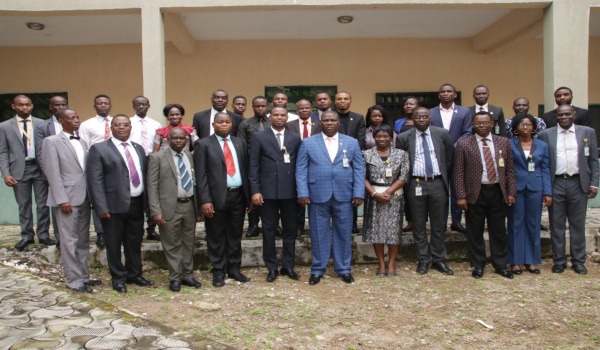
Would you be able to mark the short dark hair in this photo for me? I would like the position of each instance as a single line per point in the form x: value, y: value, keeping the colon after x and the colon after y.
x: 240, y: 96
x: 384, y: 128
x: 478, y: 86
x: 563, y: 87
x: 259, y: 98
x: 140, y: 96
x: 61, y: 112
x: 483, y: 113
x: 171, y: 106
x: 516, y: 120
x: 101, y: 95
x: 384, y: 114
x: 448, y: 84
x: 323, y: 92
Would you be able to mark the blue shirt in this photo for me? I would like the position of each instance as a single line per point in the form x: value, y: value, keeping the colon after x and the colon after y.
x: 236, y: 179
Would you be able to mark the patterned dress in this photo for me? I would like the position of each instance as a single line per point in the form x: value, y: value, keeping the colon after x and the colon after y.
x: 383, y: 222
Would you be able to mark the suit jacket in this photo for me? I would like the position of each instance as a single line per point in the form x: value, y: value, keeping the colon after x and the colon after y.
x: 315, y: 116
x: 581, y: 118
x: 12, y: 151
x: 202, y: 123
x: 319, y: 179
x: 539, y: 179
x: 356, y: 128
x: 269, y: 175
x: 468, y: 168
x: 162, y: 182
x: 460, y: 127
x: 294, y: 126
x: 497, y: 115
x: 66, y: 177
x: 41, y: 132
x: 442, y: 144
x: 108, y: 177
x: 588, y: 166
x: 211, y: 171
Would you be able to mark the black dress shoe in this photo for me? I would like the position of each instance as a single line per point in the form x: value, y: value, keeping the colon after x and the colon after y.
x: 458, y: 227
x: 442, y: 267
x: 422, y: 268
x: 558, y: 268
x: 238, y: 276
x: 580, y: 269
x: 543, y: 228
x: 252, y: 231
x: 153, y: 236
x: 272, y: 275
x: 47, y: 241
x: 100, y: 242
x: 119, y: 287
x: 175, y: 286
x: 218, y: 279
x: 23, y: 243
x: 290, y: 273
x: 407, y: 229
x: 140, y: 281
x: 534, y: 271
x: 191, y: 282
x: 314, y: 279
x: 84, y: 289
x: 347, y: 277
x: 505, y: 273
x: 278, y: 231
x: 92, y: 283
x: 477, y: 272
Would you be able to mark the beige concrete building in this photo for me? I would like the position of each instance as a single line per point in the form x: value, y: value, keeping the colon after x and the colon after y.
x: 182, y: 50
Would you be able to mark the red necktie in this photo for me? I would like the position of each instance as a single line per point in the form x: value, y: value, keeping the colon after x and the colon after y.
x: 305, y: 132
x: 228, y: 158
x: 489, y: 162
x: 106, y: 129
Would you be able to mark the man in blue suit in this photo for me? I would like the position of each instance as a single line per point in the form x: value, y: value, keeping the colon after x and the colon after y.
x: 457, y: 120
x: 330, y: 176
x: 323, y: 102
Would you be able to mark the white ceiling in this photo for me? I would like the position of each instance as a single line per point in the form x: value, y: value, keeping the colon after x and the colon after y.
x: 247, y: 25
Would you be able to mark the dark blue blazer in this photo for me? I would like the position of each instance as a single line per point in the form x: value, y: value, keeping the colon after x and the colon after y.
x: 538, y: 180
x: 319, y: 179
x: 315, y: 116
x: 269, y: 175
x: 460, y: 127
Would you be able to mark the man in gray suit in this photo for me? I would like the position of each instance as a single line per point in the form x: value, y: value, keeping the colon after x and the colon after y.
x: 574, y: 173
x: 431, y: 154
x: 170, y: 172
x: 21, y: 171
x: 48, y: 128
x: 65, y: 155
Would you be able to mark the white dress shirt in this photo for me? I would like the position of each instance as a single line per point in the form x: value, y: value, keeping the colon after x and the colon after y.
x: 490, y: 144
x: 447, y: 115
x: 30, y: 138
x: 57, y: 126
x: 419, y: 168
x: 92, y: 130
x: 78, y: 149
x: 566, y: 150
x: 181, y: 192
x: 138, y: 124
x: 478, y: 108
x: 214, y: 112
x: 332, y: 147
x: 278, y: 132
x: 134, y: 191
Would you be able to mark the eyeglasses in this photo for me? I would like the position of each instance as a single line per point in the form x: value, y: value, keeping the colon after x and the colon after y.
x: 481, y: 123
x: 118, y: 125
x: 419, y: 117
x: 525, y: 125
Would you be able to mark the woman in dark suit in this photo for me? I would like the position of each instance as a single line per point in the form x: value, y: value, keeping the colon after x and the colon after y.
x: 534, y: 189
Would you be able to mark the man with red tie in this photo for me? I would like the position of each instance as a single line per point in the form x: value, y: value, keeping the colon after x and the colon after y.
x: 221, y: 163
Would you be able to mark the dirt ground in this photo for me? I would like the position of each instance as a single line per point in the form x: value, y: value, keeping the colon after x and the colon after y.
x: 547, y: 311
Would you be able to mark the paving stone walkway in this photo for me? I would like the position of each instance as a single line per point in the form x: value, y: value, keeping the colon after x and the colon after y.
x: 35, y: 315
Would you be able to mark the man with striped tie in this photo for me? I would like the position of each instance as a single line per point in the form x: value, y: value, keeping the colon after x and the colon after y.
x: 170, y: 172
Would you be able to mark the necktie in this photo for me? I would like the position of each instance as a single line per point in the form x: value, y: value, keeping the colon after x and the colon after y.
x: 428, y: 163
x: 186, y: 179
x: 144, y: 136
x: 106, y: 129
x: 228, y: 158
x: 279, y: 139
x: 73, y: 137
x: 135, y: 177
x: 25, y: 134
x: 569, y: 153
x: 481, y: 109
x: 489, y: 162
x: 305, y: 132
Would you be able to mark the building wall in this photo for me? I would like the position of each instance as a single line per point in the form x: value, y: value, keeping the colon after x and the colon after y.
x: 360, y: 66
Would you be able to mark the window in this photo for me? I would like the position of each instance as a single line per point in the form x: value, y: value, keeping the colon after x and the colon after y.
x: 392, y: 101
x: 40, y: 101
x: 296, y: 93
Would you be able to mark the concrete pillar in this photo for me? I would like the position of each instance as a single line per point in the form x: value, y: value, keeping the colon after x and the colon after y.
x: 566, y: 50
x: 153, y: 58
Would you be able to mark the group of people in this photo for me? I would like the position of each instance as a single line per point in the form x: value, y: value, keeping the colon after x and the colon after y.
x: 274, y: 164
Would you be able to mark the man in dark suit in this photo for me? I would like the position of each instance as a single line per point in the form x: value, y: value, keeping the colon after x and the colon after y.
x: 330, y: 176
x: 564, y: 96
x: 116, y: 175
x: 221, y: 162
x: 457, y: 120
x: 431, y: 154
x: 481, y: 94
x: 238, y: 104
x: 48, y: 128
x: 173, y: 207
x: 65, y: 154
x: 306, y: 127
x: 574, y: 176
x: 272, y: 179
x: 485, y: 181
x: 21, y: 171
x: 323, y: 102
x: 203, y: 120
